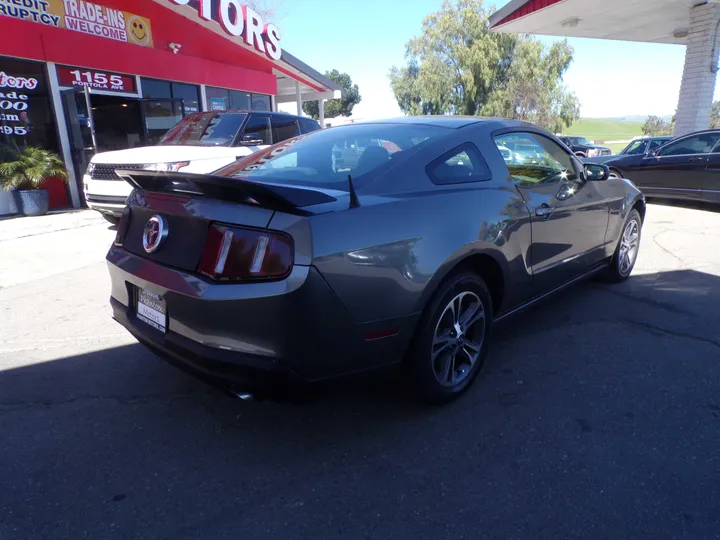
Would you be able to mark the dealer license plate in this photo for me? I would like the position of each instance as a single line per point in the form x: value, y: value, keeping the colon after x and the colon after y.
x: 151, y: 309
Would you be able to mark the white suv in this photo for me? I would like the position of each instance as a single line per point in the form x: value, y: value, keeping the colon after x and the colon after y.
x: 199, y: 143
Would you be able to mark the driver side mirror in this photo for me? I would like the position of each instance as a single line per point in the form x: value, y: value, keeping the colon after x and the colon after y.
x: 251, y: 139
x: 596, y: 172
x: 652, y: 153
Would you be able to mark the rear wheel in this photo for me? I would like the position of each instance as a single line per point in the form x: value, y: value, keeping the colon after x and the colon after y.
x: 452, y: 339
x: 614, y: 173
x: 626, y: 253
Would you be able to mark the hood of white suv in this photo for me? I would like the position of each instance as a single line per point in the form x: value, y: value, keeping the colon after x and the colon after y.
x: 170, y: 154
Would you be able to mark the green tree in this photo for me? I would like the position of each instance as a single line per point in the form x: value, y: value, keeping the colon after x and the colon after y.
x: 458, y: 66
x: 654, y: 125
x: 715, y: 115
x: 337, y: 107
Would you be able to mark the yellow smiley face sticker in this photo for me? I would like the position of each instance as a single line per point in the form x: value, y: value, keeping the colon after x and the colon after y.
x: 138, y: 30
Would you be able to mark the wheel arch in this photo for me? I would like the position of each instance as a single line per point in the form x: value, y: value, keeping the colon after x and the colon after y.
x: 641, y: 206
x: 486, y: 263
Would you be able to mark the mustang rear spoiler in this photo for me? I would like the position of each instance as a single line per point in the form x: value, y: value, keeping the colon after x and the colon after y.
x: 275, y: 197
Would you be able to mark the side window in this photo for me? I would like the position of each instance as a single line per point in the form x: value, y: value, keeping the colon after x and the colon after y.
x: 308, y: 126
x: 697, y: 144
x: 535, y: 159
x: 636, y: 148
x: 656, y: 143
x: 284, y: 128
x: 259, y: 126
x: 459, y: 165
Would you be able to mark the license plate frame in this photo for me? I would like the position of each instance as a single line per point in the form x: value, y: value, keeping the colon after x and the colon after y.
x: 151, y: 309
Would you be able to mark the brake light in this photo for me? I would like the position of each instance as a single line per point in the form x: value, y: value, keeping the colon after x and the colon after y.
x: 233, y: 254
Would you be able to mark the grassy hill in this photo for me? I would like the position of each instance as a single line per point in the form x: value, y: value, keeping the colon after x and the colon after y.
x: 602, y: 129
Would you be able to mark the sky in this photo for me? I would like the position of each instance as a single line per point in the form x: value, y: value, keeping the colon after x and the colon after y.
x: 365, y: 39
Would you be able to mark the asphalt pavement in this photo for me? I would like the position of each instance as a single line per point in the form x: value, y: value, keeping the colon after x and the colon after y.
x: 597, y: 415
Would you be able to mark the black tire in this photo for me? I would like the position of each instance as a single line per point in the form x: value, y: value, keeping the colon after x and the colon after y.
x: 616, y: 173
x: 616, y: 272
x: 419, y: 362
x: 111, y: 219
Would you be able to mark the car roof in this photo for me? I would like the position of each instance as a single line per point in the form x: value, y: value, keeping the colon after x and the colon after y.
x: 248, y: 111
x: 448, y: 121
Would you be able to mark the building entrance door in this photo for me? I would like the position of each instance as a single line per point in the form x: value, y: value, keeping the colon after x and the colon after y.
x: 79, y: 120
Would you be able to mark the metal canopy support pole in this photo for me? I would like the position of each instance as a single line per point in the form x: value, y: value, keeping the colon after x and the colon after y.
x: 298, y: 98
x: 321, y: 112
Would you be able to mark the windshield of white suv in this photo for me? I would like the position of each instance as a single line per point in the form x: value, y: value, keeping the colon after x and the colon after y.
x: 204, y: 129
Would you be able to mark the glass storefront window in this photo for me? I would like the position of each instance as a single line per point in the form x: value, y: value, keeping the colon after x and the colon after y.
x: 239, y: 100
x: 152, y: 88
x: 260, y: 102
x: 190, y: 94
x: 26, y: 116
x: 218, y: 99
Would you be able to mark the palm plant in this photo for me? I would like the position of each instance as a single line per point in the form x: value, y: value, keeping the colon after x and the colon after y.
x: 30, y: 168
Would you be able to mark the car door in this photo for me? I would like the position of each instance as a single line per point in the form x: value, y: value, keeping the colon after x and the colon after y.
x: 569, y: 216
x: 710, y: 190
x: 257, y: 133
x: 676, y: 169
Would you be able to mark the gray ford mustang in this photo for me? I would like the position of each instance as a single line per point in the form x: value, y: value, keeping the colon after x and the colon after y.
x: 365, y: 246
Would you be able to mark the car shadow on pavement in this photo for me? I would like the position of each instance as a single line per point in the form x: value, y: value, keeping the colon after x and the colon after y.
x: 587, y: 398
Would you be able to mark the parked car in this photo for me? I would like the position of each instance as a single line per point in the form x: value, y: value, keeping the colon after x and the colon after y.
x: 685, y: 168
x: 581, y: 147
x: 199, y: 143
x: 637, y: 147
x: 277, y: 269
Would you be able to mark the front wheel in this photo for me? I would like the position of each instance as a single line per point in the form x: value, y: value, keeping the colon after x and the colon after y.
x: 452, y: 339
x: 614, y: 173
x: 626, y: 253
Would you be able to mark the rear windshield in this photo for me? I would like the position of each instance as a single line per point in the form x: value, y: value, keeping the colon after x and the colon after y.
x: 204, y: 129
x: 326, y: 157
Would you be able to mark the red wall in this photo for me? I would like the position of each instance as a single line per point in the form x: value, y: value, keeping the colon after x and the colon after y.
x: 205, y: 57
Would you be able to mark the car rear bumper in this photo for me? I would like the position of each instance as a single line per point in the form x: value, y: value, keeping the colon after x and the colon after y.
x: 254, y: 334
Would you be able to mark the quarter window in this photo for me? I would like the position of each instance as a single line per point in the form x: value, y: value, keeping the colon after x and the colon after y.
x: 534, y: 159
x: 460, y: 165
x: 702, y: 143
x: 284, y: 128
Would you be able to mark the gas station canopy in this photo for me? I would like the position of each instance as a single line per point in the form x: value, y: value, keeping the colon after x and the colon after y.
x: 656, y: 21
x: 693, y: 23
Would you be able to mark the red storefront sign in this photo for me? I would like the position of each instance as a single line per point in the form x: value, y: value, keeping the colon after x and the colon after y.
x: 99, y: 80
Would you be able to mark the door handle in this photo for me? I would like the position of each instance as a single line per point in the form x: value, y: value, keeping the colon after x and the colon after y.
x: 544, y: 211
x: 696, y: 159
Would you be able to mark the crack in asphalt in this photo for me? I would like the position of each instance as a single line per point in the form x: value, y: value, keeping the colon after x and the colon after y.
x: 655, y: 303
x: 564, y: 325
x: 658, y: 244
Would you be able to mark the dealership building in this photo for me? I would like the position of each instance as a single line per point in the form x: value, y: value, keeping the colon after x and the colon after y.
x: 80, y: 77
x: 693, y: 23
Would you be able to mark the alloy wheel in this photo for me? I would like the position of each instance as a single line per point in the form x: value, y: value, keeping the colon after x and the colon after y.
x: 629, y: 244
x: 458, y: 339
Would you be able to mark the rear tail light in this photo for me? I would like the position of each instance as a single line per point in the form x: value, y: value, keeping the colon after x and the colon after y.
x: 122, y: 227
x: 235, y: 254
